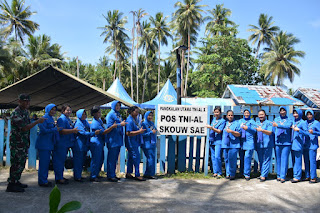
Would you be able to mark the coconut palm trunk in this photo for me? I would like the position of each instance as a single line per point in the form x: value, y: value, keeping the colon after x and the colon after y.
x: 182, y: 69
x: 137, y: 72
x: 145, y: 77
x: 133, y: 29
x: 258, y: 47
x: 159, y: 67
x: 186, y: 84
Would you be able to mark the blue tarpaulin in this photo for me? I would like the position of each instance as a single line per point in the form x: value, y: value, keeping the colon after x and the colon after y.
x: 118, y: 90
x: 167, y: 95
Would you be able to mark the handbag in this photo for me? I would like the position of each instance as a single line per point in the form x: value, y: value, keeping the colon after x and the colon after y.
x: 68, y: 164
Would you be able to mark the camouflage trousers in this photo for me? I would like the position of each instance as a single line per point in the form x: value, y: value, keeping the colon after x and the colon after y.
x: 18, y: 157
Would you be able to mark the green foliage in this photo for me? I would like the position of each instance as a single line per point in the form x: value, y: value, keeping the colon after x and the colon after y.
x: 222, y: 60
x: 54, y: 201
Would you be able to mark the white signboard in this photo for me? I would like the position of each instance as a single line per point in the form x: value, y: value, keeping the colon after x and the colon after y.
x: 182, y: 120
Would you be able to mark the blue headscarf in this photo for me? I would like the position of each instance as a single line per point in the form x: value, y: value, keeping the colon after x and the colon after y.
x: 113, y: 107
x: 299, y: 111
x: 49, y: 108
x: 83, y: 122
x: 146, y: 121
x: 306, y: 113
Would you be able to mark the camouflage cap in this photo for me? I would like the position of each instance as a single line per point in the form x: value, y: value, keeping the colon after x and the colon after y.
x: 24, y: 97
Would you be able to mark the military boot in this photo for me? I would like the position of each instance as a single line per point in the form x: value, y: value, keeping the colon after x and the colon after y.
x: 13, y: 187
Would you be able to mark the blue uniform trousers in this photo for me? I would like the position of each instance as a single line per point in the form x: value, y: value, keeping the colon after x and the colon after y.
x: 231, y: 164
x: 282, y: 156
x: 215, y: 151
x: 112, y: 159
x: 245, y: 161
x: 133, y: 160
x: 306, y: 159
x: 59, y: 156
x: 151, y: 157
x: 226, y: 161
x: 313, y: 163
x: 96, y: 159
x: 78, y: 160
x: 264, y: 155
x: 297, y: 166
x: 44, y: 161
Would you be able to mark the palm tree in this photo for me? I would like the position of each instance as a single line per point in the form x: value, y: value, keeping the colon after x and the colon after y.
x: 41, y: 53
x: 187, y: 19
x: 134, y: 13
x: 15, y: 17
x: 147, y: 42
x: 218, y: 16
x: 264, y: 32
x: 140, y: 14
x: 114, y: 33
x: 161, y: 31
x: 280, y: 59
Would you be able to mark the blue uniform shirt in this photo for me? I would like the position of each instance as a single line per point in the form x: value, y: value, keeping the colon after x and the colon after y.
x: 97, y: 124
x: 228, y: 139
x: 65, y: 140
x: 247, y: 136
x: 49, y: 134
x: 215, y: 138
x: 311, y: 140
x: 115, y: 137
x: 298, y: 139
x: 149, y: 139
x: 264, y: 140
x: 133, y: 125
x: 283, y: 131
x: 84, y: 134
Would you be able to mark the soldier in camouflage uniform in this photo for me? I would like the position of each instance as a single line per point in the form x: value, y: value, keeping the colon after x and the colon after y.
x: 19, y: 142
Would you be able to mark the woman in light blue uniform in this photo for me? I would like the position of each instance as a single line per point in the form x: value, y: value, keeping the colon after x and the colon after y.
x: 81, y: 144
x: 149, y: 144
x: 97, y: 143
x: 215, y: 139
x: 283, y: 142
x: 114, y: 139
x: 231, y: 145
x: 133, y: 142
x: 298, y: 140
x: 311, y: 141
x: 265, y: 144
x: 66, y: 141
x: 46, y: 141
x: 247, y: 139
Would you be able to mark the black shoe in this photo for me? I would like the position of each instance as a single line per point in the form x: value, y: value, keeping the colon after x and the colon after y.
x: 306, y: 179
x: 282, y: 180
x: 129, y: 176
x: 263, y: 179
x: 80, y: 180
x: 12, y: 187
x: 113, y: 179
x: 247, y: 178
x: 63, y: 181
x: 140, y: 179
x: 295, y: 180
x: 227, y: 177
x: 48, y: 184
x: 313, y: 181
x: 149, y: 177
x: 278, y: 179
x: 232, y: 178
x: 118, y: 178
x: 94, y: 179
x: 21, y: 185
x: 99, y: 177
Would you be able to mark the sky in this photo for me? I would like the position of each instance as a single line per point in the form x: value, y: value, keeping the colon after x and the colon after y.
x: 73, y: 24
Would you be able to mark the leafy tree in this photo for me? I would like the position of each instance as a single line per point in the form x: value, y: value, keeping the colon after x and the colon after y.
x: 281, y: 58
x: 264, y: 32
x: 15, y: 18
x: 223, y: 59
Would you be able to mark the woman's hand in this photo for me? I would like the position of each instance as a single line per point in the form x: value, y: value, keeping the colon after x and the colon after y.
x: 97, y: 132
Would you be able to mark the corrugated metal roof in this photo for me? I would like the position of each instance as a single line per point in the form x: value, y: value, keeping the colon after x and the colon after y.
x: 309, y: 96
x: 260, y: 95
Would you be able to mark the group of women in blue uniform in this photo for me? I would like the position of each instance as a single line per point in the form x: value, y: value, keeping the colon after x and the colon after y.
x: 285, y: 135
x: 56, y: 138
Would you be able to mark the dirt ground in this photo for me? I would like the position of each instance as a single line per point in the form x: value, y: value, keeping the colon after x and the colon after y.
x: 166, y: 195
